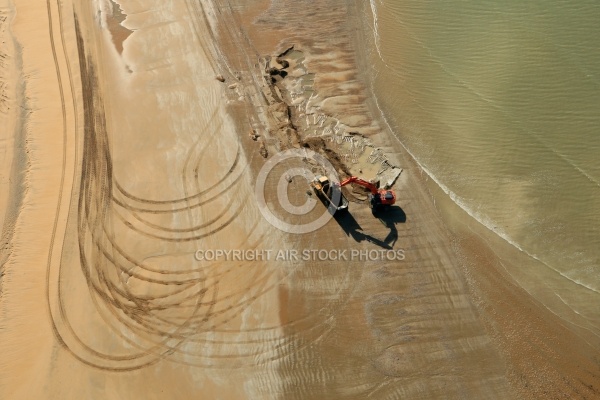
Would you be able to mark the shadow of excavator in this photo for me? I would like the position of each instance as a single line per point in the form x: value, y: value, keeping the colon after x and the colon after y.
x: 389, y: 218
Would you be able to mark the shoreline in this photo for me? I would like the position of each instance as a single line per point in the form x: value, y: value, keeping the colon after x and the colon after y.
x: 564, y: 329
x: 521, y: 375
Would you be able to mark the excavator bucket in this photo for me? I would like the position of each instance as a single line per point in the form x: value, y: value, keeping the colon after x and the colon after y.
x: 331, y: 195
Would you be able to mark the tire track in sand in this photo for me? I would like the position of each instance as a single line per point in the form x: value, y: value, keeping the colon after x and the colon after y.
x: 183, y: 305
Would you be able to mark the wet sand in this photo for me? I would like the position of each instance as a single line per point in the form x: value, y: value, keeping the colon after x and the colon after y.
x: 134, y: 156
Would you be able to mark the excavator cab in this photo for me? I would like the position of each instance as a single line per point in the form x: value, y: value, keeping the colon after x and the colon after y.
x: 389, y: 197
x: 382, y: 200
x: 377, y: 202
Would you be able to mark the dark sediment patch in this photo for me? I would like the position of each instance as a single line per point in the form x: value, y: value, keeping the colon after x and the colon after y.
x: 115, y: 25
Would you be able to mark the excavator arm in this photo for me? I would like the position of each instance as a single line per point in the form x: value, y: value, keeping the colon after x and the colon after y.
x: 379, y: 198
x: 353, y: 179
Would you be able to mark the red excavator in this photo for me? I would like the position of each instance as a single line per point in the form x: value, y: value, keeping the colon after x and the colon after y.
x: 379, y: 199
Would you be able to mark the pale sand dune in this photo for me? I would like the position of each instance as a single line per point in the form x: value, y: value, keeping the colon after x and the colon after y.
x: 136, y: 157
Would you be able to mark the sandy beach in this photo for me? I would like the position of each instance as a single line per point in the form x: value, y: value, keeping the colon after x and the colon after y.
x: 135, y: 138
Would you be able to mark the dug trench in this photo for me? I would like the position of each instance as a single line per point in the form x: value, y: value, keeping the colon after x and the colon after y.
x: 296, y: 121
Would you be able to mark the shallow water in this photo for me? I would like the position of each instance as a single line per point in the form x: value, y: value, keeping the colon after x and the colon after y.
x: 500, y: 103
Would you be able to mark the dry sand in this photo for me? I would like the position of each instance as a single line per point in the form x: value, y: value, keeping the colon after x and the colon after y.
x: 122, y: 155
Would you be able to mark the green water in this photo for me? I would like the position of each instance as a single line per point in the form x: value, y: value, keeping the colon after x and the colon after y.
x: 500, y: 102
